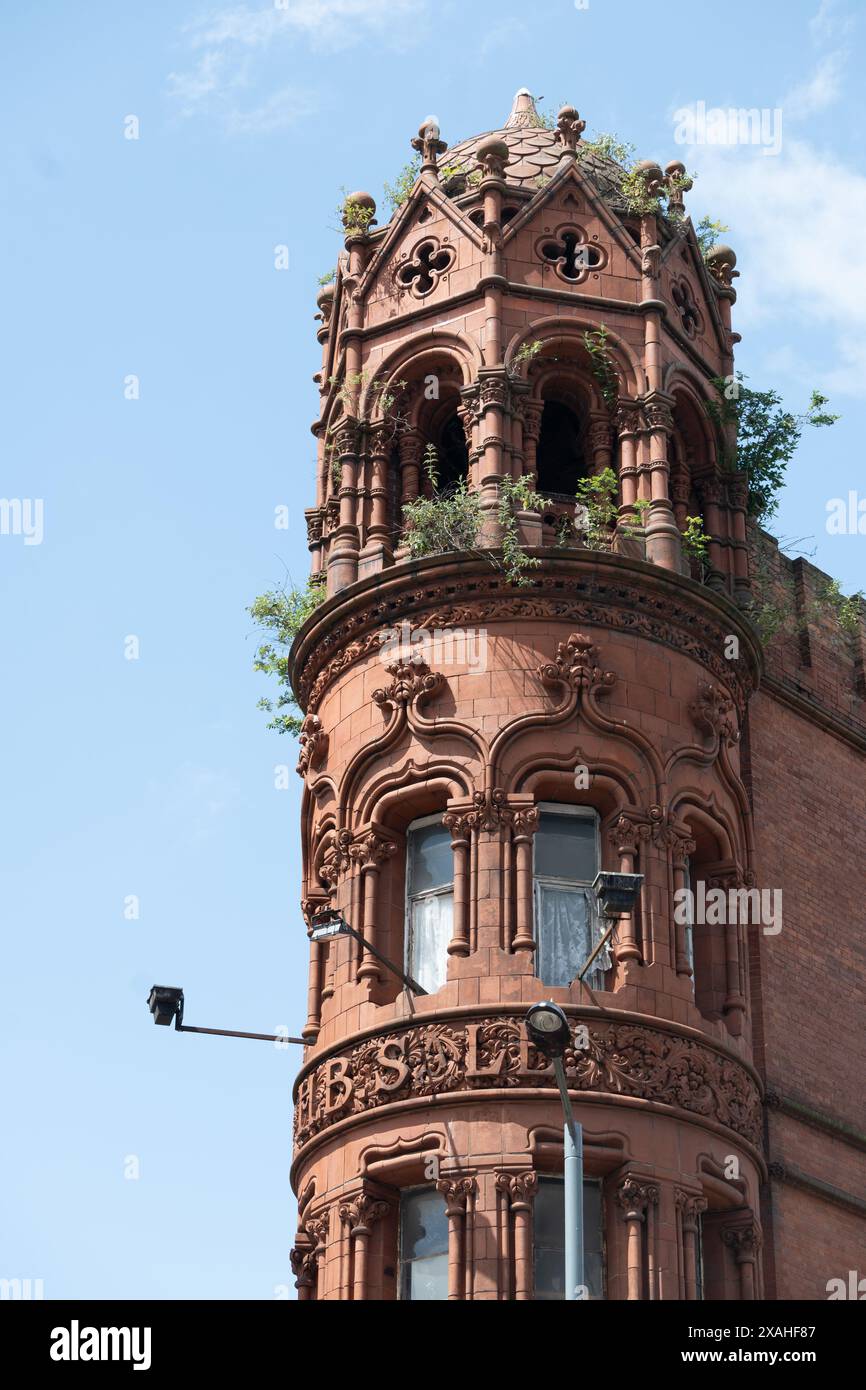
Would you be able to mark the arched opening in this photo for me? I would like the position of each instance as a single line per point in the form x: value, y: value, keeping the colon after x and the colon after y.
x: 560, y: 455
x: 453, y: 453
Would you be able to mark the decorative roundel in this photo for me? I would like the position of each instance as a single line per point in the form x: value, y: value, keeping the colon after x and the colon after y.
x: 424, y: 267
x: 572, y: 254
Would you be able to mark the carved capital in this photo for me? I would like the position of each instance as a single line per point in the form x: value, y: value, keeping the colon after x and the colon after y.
x: 634, y: 1196
x: 361, y: 1213
x: 744, y: 1239
x: 456, y: 1192
x: 370, y: 849
x: 691, y: 1205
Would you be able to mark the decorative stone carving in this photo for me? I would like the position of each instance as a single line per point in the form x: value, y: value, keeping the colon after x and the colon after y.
x: 744, y: 1239
x: 429, y: 145
x: 576, y: 664
x: 621, y: 1059
x: 312, y: 744
x: 713, y: 712
x: 456, y: 1192
x: 336, y: 860
x: 634, y: 1197
x: 569, y: 128
x: 411, y: 681
x: 361, y: 1212
x: 371, y: 849
x: 690, y: 1204
x: 594, y: 599
x: 421, y: 271
x: 492, y: 157
x: 490, y: 810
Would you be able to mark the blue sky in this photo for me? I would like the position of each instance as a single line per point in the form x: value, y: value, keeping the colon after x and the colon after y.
x: 155, y: 777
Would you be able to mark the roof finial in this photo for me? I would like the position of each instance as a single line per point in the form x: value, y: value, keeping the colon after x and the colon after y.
x: 429, y: 145
x: 523, y: 111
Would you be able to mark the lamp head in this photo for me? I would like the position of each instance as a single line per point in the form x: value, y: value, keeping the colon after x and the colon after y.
x: 548, y: 1028
x: 166, y: 1003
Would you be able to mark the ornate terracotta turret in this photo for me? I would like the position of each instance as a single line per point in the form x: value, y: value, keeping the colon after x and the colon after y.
x: 477, y: 750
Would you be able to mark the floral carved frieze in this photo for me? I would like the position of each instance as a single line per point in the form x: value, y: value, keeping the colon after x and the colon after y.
x: 617, y: 603
x: 620, y: 1059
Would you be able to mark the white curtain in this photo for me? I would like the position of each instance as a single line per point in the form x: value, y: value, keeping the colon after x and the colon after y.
x: 431, y: 930
x: 567, y: 934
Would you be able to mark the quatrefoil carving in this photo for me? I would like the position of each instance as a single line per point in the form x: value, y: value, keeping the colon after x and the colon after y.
x: 421, y: 273
x: 685, y: 301
x: 572, y: 256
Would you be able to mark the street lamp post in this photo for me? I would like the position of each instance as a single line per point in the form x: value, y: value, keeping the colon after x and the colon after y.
x: 549, y: 1029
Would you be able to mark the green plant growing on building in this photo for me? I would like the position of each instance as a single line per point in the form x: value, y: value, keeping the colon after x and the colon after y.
x: 280, y: 614
x: 766, y: 435
x: 602, y: 366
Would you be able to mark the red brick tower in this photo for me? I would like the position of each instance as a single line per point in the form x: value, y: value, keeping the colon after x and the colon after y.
x: 476, y: 750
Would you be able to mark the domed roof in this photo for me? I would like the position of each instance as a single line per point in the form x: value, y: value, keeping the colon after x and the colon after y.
x: 534, y: 152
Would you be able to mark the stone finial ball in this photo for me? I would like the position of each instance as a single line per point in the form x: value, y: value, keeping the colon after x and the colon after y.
x: 676, y: 166
x: 429, y: 129
x: 325, y: 295
x: 648, y: 168
x: 492, y: 149
x: 723, y: 255
x: 568, y: 113
x: 362, y: 200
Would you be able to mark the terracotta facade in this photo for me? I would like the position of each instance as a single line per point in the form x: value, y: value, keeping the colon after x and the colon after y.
x: 625, y: 680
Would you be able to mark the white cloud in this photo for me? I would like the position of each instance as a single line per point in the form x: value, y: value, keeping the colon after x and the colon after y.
x: 830, y: 21
x: 231, y: 41
x: 796, y: 223
x: 819, y: 92
x: 280, y: 110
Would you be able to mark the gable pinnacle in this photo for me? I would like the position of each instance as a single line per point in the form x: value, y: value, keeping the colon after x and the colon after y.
x: 523, y: 112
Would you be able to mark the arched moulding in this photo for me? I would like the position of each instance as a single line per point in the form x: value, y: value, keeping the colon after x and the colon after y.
x: 563, y: 337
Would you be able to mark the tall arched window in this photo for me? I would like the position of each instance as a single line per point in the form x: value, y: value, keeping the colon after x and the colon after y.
x: 429, y: 901
x: 566, y: 862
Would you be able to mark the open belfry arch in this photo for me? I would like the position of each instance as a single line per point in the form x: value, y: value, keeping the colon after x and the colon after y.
x: 461, y: 794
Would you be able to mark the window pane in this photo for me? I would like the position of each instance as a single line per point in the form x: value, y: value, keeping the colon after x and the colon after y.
x: 566, y: 847
x: 563, y: 926
x: 424, y: 1224
x: 427, y: 1280
x: 430, y: 929
x: 549, y: 1240
x: 431, y: 859
x: 423, y: 1246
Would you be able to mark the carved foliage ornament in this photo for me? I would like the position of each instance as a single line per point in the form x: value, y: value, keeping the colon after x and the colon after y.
x: 433, y: 1059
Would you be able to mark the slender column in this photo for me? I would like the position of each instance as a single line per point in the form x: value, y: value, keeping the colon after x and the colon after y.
x: 524, y: 826
x: 683, y: 847
x: 710, y: 492
x: 689, y: 1207
x: 634, y: 1197
x: 600, y: 442
x: 494, y: 401
x: 745, y: 1241
x: 411, y: 447
x: 664, y: 546
x: 461, y: 838
x: 359, y: 1215
x: 377, y: 547
x: 623, y: 837
x: 627, y: 423
x: 457, y: 1193
x: 370, y: 851
x: 522, y: 1189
